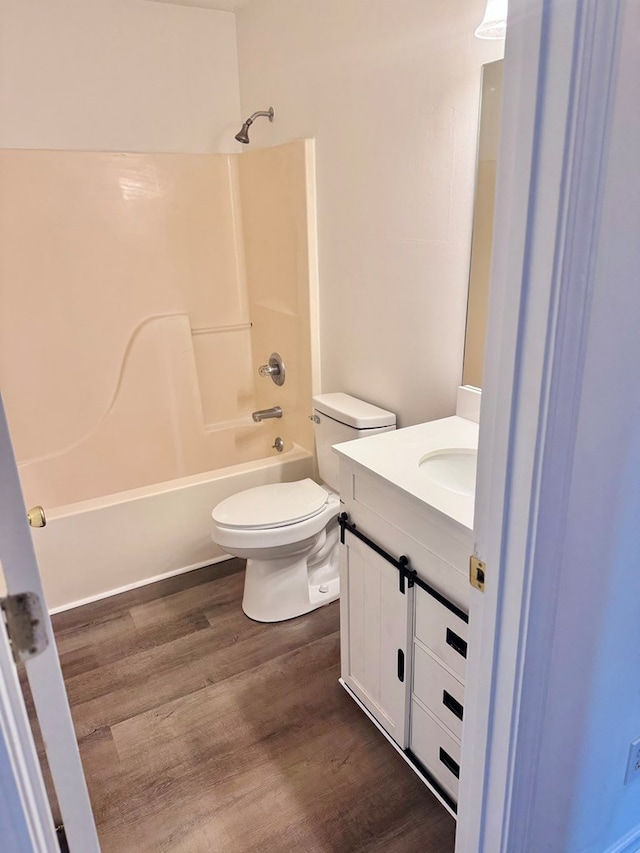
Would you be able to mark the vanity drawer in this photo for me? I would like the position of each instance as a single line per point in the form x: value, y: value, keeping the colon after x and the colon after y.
x: 436, y: 688
x: 442, y: 631
x: 435, y: 748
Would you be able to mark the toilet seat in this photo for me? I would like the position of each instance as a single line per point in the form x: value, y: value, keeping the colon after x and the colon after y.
x: 273, y: 506
x: 242, y: 540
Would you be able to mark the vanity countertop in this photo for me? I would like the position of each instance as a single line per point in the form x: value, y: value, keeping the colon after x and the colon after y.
x: 396, y: 456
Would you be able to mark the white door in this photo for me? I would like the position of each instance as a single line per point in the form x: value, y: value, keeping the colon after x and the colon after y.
x: 43, y: 671
x: 376, y: 627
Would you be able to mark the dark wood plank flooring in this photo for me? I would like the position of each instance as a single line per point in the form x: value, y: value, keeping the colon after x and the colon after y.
x: 201, y: 730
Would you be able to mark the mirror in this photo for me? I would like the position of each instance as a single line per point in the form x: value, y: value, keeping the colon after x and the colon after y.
x: 480, y: 265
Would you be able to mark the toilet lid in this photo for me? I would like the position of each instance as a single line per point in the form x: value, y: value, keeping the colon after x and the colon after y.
x: 272, y: 506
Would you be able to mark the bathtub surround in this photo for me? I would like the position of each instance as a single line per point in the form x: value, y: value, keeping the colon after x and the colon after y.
x: 277, y: 194
x: 139, y: 297
x: 121, y: 278
x: 126, y: 340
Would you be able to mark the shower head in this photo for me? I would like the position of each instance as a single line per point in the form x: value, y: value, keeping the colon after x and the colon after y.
x: 243, y: 134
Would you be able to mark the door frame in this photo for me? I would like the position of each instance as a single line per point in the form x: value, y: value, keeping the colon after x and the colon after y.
x: 21, y: 574
x: 25, y: 815
x: 560, y: 64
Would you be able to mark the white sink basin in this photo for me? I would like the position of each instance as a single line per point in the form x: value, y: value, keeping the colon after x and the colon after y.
x: 452, y: 469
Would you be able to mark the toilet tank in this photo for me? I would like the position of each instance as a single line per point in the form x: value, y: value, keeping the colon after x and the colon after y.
x: 341, y: 417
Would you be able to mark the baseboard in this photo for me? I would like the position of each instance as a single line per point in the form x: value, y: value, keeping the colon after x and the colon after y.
x: 137, y: 585
x: 630, y: 843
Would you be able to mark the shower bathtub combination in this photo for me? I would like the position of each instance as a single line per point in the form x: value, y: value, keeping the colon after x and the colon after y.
x: 107, y: 545
x: 141, y: 293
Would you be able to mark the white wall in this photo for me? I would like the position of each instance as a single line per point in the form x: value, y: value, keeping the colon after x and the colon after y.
x: 390, y: 91
x: 123, y: 75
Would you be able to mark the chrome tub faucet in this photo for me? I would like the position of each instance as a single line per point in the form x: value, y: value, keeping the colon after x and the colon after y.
x: 264, y: 414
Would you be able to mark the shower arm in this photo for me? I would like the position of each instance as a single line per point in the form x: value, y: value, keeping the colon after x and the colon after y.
x: 267, y: 113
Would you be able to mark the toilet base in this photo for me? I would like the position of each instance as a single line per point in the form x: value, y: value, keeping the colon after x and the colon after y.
x: 280, y: 589
x: 315, y: 599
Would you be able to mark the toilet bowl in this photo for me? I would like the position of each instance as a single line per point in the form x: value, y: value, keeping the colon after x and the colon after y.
x: 288, y: 532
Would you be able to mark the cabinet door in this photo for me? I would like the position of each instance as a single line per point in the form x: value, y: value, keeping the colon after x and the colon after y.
x: 375, y: 636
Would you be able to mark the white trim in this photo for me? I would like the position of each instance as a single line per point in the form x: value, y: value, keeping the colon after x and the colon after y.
x: 629, y: 844
x: 15, y: 831
x: 522, y: 55
x: 313, y: 265
x: 136, y: 584
x: 560, y: 59
x: 400, y: 751
x: 565, y: 330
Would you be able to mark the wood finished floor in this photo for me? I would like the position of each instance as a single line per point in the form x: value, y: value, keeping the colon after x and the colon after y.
x: 201, y: 730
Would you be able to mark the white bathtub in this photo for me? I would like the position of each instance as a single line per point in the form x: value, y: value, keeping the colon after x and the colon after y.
x: 104, y: 546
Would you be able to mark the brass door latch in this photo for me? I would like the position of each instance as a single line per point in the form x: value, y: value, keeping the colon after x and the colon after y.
x: 477, y: 572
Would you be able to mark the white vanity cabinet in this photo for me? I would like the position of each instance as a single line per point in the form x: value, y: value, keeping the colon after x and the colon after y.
x: 437, y: 689
x: 404, y: 630
x: 377, y: 618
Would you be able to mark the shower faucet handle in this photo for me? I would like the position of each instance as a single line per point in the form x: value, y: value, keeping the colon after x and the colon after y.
x: 268, y: 370
x: 275, y: 369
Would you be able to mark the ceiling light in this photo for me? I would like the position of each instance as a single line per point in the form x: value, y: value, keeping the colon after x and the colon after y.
x: 494, y: 23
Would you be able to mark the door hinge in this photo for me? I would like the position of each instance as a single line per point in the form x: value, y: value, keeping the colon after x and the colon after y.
x: 24, y: 618
x: 477, y: 572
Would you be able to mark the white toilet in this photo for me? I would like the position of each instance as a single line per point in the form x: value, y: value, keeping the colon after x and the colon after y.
x: 288, y: 532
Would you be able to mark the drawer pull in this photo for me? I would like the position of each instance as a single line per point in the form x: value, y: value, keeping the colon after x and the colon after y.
x: 452, y: 704
x: 451, y: 765
x: 400, y: 665
x: 457, y: 643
